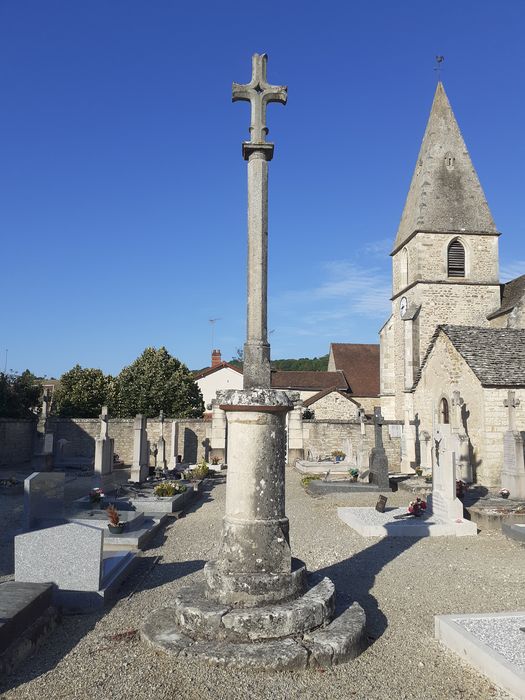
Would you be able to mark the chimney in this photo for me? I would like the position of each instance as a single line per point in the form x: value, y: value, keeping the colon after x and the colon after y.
x: 215, y: 358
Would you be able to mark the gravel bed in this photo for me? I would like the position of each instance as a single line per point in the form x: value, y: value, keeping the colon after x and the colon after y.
x: 502, y: 634
x: 401, y: 582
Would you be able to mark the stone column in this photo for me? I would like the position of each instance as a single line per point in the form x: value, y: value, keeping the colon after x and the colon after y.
x: 254, y: 565
x: 218, y: 432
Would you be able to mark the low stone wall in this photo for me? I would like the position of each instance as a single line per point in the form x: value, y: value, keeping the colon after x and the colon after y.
x: 16, y: 440
x: 324, y: 436
x: 80, y: 433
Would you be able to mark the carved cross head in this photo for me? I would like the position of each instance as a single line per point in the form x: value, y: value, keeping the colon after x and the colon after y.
x: 104, y: 413
x: 456, y: 398
x: 259, y: 93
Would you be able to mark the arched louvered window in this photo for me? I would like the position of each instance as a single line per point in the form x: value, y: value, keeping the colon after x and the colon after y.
x: 443, y: 411
x: 456, y: 260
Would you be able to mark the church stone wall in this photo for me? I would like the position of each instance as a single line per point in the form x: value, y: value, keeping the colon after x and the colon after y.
x: 496, y: 424
x: 445, y: 372
x: 334, y: 405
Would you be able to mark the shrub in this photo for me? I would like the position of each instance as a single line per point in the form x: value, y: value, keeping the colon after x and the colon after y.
x: 169, y: 488
x: 305, y: 481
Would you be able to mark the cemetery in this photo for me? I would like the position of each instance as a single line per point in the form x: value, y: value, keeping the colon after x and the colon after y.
x: 248, y: 548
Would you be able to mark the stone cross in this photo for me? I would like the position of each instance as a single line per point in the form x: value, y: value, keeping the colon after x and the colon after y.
x: 161, y: 420
x: 362, y: 422
x: 259, y: 93
x: 378, y: 427
x: 511, y: 402
x: 104, y: 422
x: 256, y: 371
x: 457, y: 403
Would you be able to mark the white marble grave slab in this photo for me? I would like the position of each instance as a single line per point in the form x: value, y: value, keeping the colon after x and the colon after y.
x: 494, y: 643
x: 368, y: 522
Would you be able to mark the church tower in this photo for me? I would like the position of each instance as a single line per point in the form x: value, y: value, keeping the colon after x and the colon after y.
x: 444, y: 260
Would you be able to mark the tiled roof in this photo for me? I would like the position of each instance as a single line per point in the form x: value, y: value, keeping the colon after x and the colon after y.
x: 512, y: 292
x: 305, y: 380
x: 210, y: 370
x: 360, y: 364
x: 495, y: 355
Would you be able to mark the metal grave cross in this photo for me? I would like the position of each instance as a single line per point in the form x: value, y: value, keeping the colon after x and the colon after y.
x: 259, y: 93
x: 511, y: 402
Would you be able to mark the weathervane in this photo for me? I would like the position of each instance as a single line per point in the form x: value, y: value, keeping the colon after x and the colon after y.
x: 438, y: 68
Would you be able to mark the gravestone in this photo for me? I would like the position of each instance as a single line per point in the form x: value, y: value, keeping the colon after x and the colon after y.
x: 174, y: 461
x: 43, y: 499
x: 513, y: 470
x: 443, y: 501
x: 103, y: 454
x: 162, y: 463
x: 70, y: 556
x: 378, y: 458
x: 42, y: 459
x: 140, y: 466
x: 425, y: 440
x: 460, y: 442
x: 363, y: 453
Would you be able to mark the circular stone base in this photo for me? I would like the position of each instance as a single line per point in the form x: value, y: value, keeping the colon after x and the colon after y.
x: 250, y: 590
x: 324, y: 646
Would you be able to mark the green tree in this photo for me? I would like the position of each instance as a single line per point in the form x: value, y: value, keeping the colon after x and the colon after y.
x: 19, y: 395
x: 156, y: 382
x: 81, y: 393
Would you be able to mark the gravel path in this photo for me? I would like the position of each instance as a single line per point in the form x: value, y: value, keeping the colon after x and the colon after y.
x: 401, y: 583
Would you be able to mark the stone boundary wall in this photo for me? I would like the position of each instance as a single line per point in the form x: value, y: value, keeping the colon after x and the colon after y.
x: 16, y: 440
x: 323, y: 436
x: 80, y: 434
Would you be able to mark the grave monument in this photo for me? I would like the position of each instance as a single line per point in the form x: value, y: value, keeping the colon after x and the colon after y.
x: 42, y: 459
x: 103, y: 453
x: 378, y: 457
x: 513, y: 470
x: 256, y: 605
x: 162, y: 463
x: 140, y: 466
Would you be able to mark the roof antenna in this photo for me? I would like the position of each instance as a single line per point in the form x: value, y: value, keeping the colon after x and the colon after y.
x: 438, y: 68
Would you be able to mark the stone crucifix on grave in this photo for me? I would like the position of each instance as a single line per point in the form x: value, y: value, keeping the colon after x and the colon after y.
x: 512, y: 403
x: 258, y: 92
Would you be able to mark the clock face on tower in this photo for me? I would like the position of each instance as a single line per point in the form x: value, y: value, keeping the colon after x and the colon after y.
x: 403, y: 304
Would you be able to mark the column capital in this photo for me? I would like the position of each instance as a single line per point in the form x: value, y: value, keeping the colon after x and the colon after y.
x: 265, y: 149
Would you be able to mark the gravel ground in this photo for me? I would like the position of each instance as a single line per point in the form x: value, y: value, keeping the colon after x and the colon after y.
x: 401, y: 583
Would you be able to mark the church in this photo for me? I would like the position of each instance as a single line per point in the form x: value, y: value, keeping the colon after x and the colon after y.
x: 452, y: 352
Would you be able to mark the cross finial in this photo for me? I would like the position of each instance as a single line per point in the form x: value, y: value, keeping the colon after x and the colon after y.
x: 259, y: 93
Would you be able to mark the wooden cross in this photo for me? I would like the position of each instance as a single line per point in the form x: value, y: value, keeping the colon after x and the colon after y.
x: 511, y: 402
x: 259, y: 93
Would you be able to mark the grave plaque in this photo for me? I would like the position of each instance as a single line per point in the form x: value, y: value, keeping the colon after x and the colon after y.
x: 381, y: 504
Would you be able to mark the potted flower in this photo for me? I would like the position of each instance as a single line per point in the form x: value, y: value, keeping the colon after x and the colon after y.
x: 168, y: 489
x: 353, y: 473
x: 338, y: 455
x: 504, y: 493
x: 215, y: 460
x: 418, y: 471
x: 96, y: 496
x: 428, y: 478
x: 115, y: 525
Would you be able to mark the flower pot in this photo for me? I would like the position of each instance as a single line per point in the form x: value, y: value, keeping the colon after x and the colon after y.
x: 505, y: 495
x: 116, y: 529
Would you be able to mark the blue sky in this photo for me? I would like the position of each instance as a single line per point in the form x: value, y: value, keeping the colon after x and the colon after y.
x: 123, y: 189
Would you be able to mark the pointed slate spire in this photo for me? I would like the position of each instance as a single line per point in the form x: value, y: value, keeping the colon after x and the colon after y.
x: 445, y: 193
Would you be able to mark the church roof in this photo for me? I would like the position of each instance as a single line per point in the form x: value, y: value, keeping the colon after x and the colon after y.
x: 321, y: 394
x: 495, y: 355
x: 360, y: 364
x: 511, y: 293
x: 308, y: 380
x: 445, y: 194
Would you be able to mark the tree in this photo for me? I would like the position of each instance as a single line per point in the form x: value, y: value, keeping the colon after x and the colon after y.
x: 19, y: 395
x: 156, y: 382
x: 81, y: 393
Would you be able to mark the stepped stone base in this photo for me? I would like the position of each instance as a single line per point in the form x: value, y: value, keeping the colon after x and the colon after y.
x: 291, y: 635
